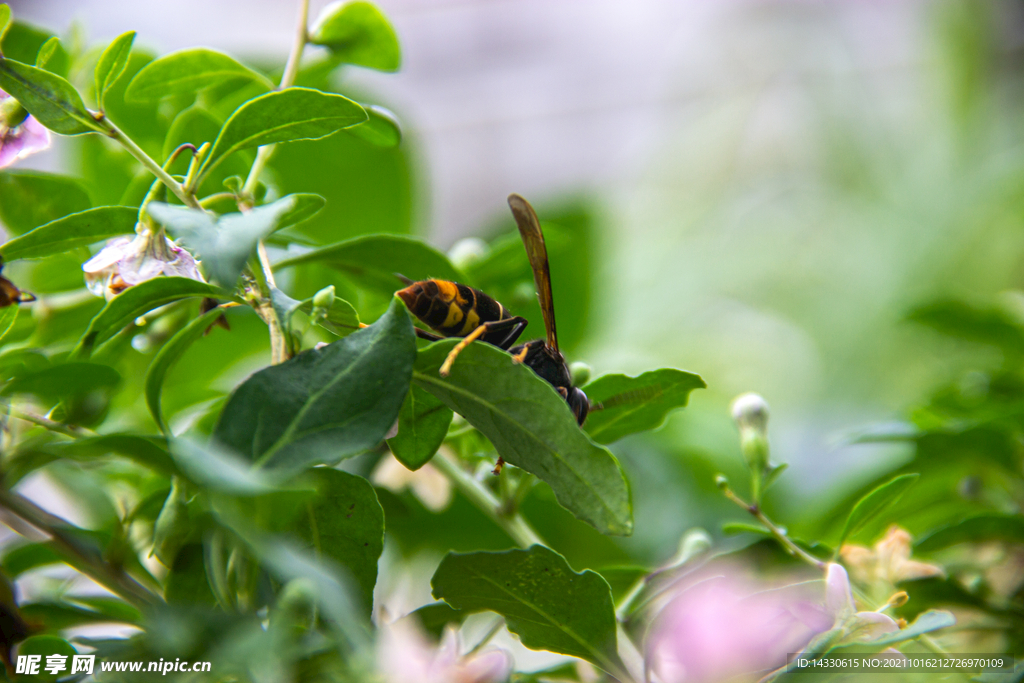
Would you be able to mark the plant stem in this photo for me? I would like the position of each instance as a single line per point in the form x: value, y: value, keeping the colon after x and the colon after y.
x: 111, y: 577
x: 53, y: 426
x: 117, y: 134
x: 514, y: 525
x: 291, y: 70
x: 778, y: 533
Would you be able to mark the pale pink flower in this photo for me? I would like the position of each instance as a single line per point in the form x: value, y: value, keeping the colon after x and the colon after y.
x: 20, y: 134
x: 727, y: 627
x: 857, y: 626
x: 405, y: 656
x: 125, y: 262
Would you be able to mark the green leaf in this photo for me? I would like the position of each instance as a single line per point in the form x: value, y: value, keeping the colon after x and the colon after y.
x: 7, y: 320
x: 358, y: 33
x: 46, y: 646
x: 422, y: 425
x: 26, y: 557
x: 627, y: 405
x: 544, y: 602
x: 5, y: 19
x: 134, y: 301
x: 333, y: 593
x: 168, y: 355
x: 77, y: 230
x: 305, y: 205
x: 63, y: 381
x: 112, y: 64
x: 325, y: 404
x: 148, y: 451
x: 345, y: 523
x: 381, y: 129
x: 46, y: 51
x: 51, y: 99
x: 978, y: 529
x: 532, y: 427
x: 373, y: 260
x: 341, y: 318
x: 187, y: 72
x: 283, y: 116
x: 29, y: 199
x: 875, y: 502
x: 217, y: 468
x: 225, y: 246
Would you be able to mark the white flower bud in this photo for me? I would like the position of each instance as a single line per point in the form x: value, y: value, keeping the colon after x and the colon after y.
x: 750, y: 410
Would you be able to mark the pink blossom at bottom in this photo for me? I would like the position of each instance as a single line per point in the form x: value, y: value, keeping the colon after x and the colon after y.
x: 405, y: 656
x: 723, y: 628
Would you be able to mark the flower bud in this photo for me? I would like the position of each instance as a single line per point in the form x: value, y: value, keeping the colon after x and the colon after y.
x: 466, y: 252
x: 324, y: 299
x: 721, y: 481
x: 750, y: 412
x: 580, y: 372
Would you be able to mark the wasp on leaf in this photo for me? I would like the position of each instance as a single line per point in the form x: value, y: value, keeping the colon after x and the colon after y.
x: 456, y: 310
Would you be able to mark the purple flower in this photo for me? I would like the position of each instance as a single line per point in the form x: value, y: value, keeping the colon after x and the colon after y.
x: 727, y: 627
x: 20, y: 134
x: 405, y: 656
x: 125, y: 262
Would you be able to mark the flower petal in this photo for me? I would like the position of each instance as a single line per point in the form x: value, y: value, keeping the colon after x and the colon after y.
x: 838, y: 596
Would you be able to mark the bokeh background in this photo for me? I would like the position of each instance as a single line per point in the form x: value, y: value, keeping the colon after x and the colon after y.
x: 760, y: 191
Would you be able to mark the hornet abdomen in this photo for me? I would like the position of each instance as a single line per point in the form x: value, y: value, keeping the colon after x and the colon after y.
x: 454, y: 310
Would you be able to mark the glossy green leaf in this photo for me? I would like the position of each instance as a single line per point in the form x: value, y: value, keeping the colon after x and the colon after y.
x: 544, y: 602
x: 124, y: 308
x: 8, y: 317
x: 341, y: 318
x: 44, y: 646
x: 47, y: 51
x: 977, y: 529
x: 5, y: 19
x: 219, y: 469
x: 283, y: 116
x: 325, y: 404
x: 373, y: 260
x: 51, y: 99
x: 76, y: 230
x: 422, y: 425
x: 345, y: 523
x: 187, y: 72
x: 224, y: 246
x: 381, y: 129
x: 874, y: 503
x: 30, y: 199
x: 532, y: 427
x: 63, y: 381
x: 168, y: 355
x: 358, y: 33
x: 626, y: 405
x: 112, y: 64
